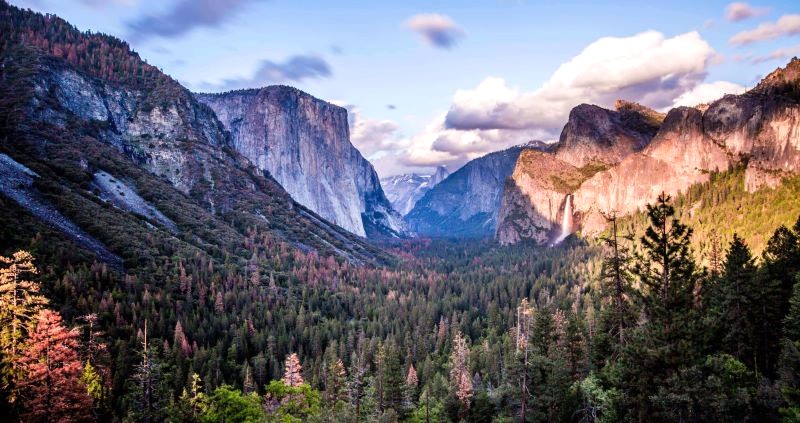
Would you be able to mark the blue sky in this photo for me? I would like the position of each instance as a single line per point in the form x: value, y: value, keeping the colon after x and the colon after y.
x: 441, y: 82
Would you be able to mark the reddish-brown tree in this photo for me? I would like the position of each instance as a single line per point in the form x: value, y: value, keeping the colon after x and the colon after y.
x: 292, y: 374
x: 51, y: 389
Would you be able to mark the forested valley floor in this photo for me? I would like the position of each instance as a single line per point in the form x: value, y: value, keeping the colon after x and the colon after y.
x: 633, y: 328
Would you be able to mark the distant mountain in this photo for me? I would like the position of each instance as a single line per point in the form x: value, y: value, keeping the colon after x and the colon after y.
x: 304, y: 143
x: 466, y: 203
x: 403, y: 191
x: 123, y: 162
x: 758, y: 131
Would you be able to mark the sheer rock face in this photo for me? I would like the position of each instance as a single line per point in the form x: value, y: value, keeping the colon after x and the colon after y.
x: 759, y: 129
x: 466, y: 203
x: 678, y: 157
x: 304, y: 143
x: 403, y: 191
x: 534, y: 197
x: 596, y: 135
x: 179, y: 141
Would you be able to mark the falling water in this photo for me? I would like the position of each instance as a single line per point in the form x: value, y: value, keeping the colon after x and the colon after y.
x: 566, y: 221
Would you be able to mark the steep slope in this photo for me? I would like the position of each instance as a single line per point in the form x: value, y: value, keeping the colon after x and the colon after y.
x: 534, y: 197
x: 758, y: 130
x: 593, y: 139
x: 304, y: 143
x: 93, y: 132
x: 467, y: 202
x: 594, y: 135
x: 403, y: 191
x: 678, y: 157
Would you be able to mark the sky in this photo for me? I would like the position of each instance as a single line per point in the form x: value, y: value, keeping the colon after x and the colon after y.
x: 438, y: 82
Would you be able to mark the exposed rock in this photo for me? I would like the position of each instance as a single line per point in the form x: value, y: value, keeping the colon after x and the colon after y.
x: 678, y: 157
x: 123, y: 196
x: 533, y: 197
x: 403, y: 191
x: 596, y: 135
x: 161, y: 139
x: 759, y: 129
x: 467, y: 202
x: 16, y: 183
x: 304, y: 143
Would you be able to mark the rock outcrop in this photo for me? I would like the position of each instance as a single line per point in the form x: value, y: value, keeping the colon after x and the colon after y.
x: 144, y: 130
x: 403, y: 191
x: 593, y: 140
x: 594, y: 135
x: 467, y: 202
x: 304, y: 143
x: 534, y: 197
x: 759, y: 129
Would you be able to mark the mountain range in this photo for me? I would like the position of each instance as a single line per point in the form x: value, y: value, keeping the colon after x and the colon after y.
x: 81, y: 133
x: 625, y: 163
x: 404, y: 190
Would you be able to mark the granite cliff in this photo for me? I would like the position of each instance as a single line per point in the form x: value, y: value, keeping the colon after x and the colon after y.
x: 594, y: 135
x: 125, y: 156
x: 467, y: 202
x: 304, y: 143
x: 759, y: 130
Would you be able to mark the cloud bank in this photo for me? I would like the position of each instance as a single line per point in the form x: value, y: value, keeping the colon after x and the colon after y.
x: 436, y: 30
x: 650, y: 68
x: 647, y: 67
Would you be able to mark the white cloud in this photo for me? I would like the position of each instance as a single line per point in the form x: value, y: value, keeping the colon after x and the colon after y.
x: 708, y: 92
x: 372, y: 136
x: 786, y: 25
x: 781, y: 53
x: 647, y: 67
x: 435, y: 29
x: 740, y: 11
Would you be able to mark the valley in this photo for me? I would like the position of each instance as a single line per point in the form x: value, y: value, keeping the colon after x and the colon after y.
x: 174, y: 255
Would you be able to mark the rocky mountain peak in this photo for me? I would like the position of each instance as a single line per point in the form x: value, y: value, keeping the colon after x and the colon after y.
x: 595, y: 135
x: 782, y: 78
x: 438, y: 176
x: 304, y: 143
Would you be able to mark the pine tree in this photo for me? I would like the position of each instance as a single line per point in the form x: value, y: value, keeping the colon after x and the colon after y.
x: 51, y: 388
x: 393, y: 381
x: 738, y: 292
x: 248, y: 385
x: 148, y: 390
x: 410, y: 388
x: 180, y: 340
x: 20, y: 302
x: 665, y: 343
x: 781, y: 260
x: 292, y: 376
x: 618, y: 314
x: 335, y: 383
x: 520, y: 365
x: 789, y: 369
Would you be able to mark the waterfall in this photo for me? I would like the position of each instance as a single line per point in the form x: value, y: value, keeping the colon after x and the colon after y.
x: 566, y: 220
